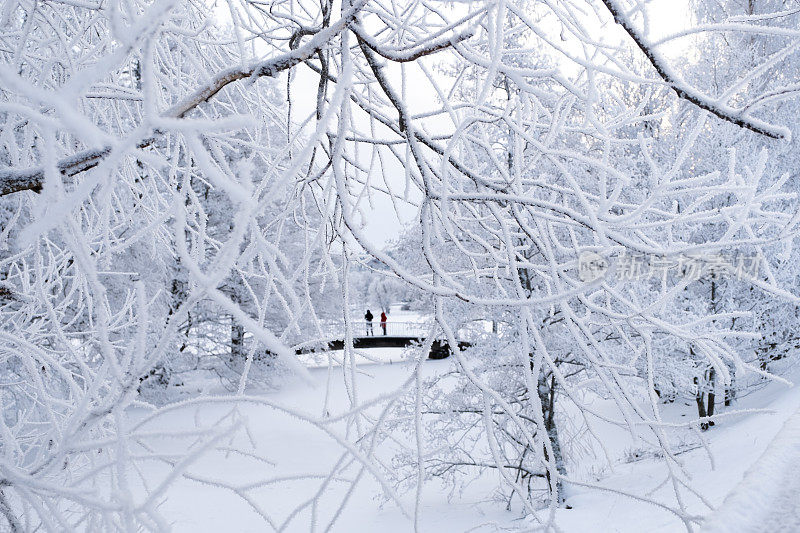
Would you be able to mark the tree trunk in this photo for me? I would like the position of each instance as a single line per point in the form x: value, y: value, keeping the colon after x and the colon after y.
x: 712, y: 382
x: 178, y: 293
x: 547, y: 396
x: 186, y: 332
x: 730, y: 389
x: 8, y: 514
x: 701, y: 408
x: 237, y: 341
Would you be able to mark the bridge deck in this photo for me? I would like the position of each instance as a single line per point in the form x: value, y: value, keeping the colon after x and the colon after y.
x: 399, y: 334
x: 439, y: 349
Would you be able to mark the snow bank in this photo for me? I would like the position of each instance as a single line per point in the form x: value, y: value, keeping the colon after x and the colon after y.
x: 768, y: 497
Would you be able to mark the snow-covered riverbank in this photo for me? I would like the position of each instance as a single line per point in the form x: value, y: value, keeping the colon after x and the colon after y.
x: 302, y: 456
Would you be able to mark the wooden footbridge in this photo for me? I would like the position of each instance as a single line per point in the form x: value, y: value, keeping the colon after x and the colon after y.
x: 394, y: 335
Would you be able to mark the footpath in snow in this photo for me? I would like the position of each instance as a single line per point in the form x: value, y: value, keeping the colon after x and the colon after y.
x: 768, y: 498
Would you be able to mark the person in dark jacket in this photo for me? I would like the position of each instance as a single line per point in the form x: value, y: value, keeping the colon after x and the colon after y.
x: 368, y: 317
x: 383, y: 322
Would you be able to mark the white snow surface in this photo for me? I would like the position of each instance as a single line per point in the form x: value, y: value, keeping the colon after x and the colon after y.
x: 763, y: 492
x: 768, y: 498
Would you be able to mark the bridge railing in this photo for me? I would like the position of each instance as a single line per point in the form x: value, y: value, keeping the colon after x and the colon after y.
x: 394, y: 328
x: 362, y: 328
x: 398, y: 329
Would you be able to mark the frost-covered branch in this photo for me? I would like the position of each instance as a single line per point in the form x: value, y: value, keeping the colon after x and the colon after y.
x: 685, y: 90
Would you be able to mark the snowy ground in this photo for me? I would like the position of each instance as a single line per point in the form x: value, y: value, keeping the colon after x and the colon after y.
x: 363, y: 357
x: 768, y: 498
x: 298, y: 452
x: 734, y: 444
x: 298, y: 449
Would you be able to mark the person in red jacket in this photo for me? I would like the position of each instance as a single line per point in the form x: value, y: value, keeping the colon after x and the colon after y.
x: 383, y: 322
